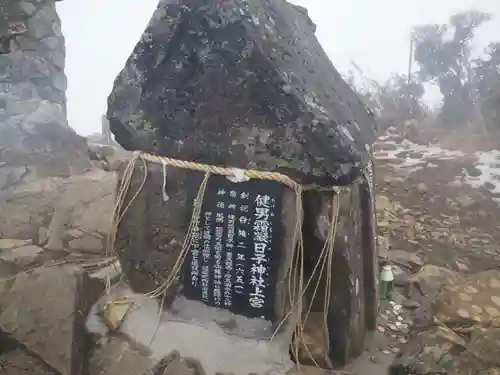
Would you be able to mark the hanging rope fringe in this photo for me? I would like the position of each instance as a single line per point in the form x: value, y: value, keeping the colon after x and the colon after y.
x: 296, y: 285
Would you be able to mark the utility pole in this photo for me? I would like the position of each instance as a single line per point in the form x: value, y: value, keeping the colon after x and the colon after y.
x: 410, y: 63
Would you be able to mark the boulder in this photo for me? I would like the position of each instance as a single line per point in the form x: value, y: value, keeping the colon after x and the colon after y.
x: 430, y: 279
x: 383, y: 204
x: 83, y: 214
x: 16, y: 360
x: 120, y: 357
x: 13, y: 243
x: 240, y: 84
x: 480, y: 355
x: 39, y: 151
x: 470, y: 300
x: 460, y: 333
x: 71, y: 213
x: 44, y: 311
x: 107, y: 156
x: 23, y: 256
x: 28, y: 207
x: 428, y: 352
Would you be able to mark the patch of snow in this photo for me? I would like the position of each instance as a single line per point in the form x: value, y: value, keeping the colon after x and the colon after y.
x: 488, y: 163
x: 411, y: 157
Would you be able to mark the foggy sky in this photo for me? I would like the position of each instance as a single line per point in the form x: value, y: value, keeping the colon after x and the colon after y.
x: 100, y: 35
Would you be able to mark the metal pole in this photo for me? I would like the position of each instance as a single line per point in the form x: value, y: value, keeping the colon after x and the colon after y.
x: 410, y: 62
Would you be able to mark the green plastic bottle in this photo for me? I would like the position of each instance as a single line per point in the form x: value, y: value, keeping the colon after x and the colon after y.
x: 386, y: 282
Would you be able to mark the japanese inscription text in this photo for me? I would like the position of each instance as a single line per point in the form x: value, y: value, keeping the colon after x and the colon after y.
x: 236, y: 249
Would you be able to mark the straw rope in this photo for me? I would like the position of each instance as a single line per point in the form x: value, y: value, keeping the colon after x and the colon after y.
x: 296, y: 283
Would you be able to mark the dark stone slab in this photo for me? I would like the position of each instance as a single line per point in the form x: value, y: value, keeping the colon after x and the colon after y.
x: 151, y: 233
x: 244, y: 84
x: 353, y: 298
x: 237, y: 253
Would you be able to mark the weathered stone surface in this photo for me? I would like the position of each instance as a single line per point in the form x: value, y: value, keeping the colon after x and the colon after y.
x: 461, y: 332
x: 481, y: 354
x: 313, y: 349
x: 14, y: 360
x: 79, y: 207
x: 83, y: 214
x: 243, y: 84
x: 471, y: 300
x: 119, y: 357
x: 35, y: 139
x: 177, y: 365
x: 313, y: 370
x: 198, y: 335
x: 383, y: 203
x: 429, y: 280
x: 12, y: 243
x: 45, y: 311
x: 353, y: 302
x: 22, y: 256
x: 107, y: 157
x: 28, y: 207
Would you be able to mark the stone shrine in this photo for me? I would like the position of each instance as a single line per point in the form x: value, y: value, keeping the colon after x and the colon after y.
x: 245, y: 85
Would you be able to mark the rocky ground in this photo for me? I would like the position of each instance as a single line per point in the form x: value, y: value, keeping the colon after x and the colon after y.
x: 437, y: 212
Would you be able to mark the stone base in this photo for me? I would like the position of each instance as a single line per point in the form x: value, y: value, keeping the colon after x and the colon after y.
x: 353, y: 301
x: 221, y: 342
